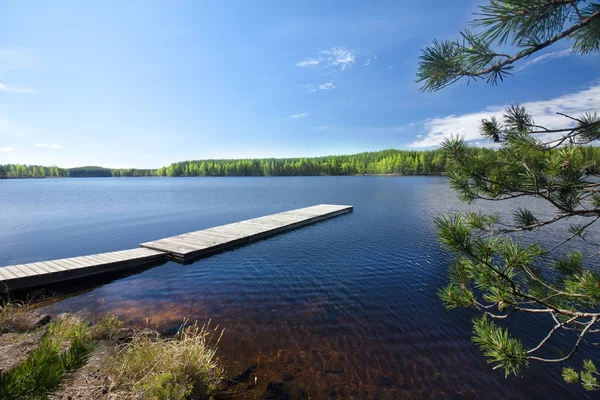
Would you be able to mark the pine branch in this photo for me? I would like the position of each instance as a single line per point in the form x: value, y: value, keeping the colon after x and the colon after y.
x: 575, y: 348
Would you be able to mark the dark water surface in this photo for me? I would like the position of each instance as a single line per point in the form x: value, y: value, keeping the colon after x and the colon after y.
x: 345, y: 308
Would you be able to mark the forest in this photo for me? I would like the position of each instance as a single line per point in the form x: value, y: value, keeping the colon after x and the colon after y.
x: 393, y: 162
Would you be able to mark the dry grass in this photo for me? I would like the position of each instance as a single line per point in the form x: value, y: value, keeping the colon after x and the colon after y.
x: 105, y: 328
x: 67, y: 327
x: 17, y: 317
x: 145, y: 367
x: 180, y: 368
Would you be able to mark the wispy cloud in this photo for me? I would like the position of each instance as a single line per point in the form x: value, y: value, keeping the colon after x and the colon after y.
x: 338, y: 57
x: 327, y: 86
x: 323, y: 86
x: 301, y: 115
x: 368, y: 60
x: 322, y: 127
x: 308, y: 63
x: 52, y: 146
x: 545, y: 57
x: 543, y: 112
x: 6, y: 149
x: 16, y: 89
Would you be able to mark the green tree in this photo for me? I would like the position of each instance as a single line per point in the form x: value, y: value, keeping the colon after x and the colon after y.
x: 497, y: 269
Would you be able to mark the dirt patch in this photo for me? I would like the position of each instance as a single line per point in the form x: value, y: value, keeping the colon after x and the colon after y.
x: 89, y: 383
x: 15, y: 347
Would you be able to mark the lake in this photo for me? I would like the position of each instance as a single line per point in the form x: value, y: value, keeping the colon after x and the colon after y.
x: 345, y: 308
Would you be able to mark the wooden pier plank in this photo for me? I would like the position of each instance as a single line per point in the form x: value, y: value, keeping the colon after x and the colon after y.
x: 196, y: 244
x: 35, y: 269
x: 16, y: 271
x: 49, y: 269
x: 5, y: 274
x: 181, y: 247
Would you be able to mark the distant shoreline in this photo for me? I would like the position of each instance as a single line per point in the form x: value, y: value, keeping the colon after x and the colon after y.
x: 208, y: 176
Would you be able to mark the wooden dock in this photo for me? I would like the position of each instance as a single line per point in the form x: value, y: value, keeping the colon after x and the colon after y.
x: 46, y: 272
x: 181, y: 248
x: 208, y: 241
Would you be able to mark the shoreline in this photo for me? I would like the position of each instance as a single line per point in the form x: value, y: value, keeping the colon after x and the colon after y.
x: 209, y: 176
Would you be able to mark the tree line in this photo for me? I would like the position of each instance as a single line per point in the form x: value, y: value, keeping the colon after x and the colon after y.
x: 396, y: 162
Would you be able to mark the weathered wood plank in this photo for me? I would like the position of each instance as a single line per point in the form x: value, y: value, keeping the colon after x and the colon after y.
x: 48, y: 269
x: 108, y: 259
x: 36, y: 270
x: 26, y: 269
x: 6, y: 274
x: 67, y: 263
x: 16, y: 271
x: 181, y: 247
x: 206, y: 241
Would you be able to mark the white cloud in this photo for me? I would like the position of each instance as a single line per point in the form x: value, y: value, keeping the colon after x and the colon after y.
x: 16, y: 89
x: 301, y: 115
x: 52, y: 146
x: 543, y: 113
x: 322, y: 127
x: 6, y: 149
x: 323, y: 86
x: 544, y: 57
x: 308, y: 63
x: 337, y: 57
x: 340, y: 57
x: 327, y: 86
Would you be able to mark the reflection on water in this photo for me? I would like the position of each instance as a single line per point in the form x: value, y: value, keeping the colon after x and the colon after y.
x: 342, y: 309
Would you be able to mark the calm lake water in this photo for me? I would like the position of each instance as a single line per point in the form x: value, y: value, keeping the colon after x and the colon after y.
x: 345, y: 308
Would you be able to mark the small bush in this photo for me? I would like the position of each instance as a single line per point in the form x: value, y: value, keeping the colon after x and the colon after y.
x: 67, y: 327
x: 180, y: 368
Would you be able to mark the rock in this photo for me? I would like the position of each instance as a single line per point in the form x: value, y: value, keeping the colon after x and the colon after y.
x: 42, y: 320
x: 244, y: 375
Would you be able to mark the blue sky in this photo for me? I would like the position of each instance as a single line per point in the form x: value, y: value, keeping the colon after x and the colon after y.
x: 143, y: 84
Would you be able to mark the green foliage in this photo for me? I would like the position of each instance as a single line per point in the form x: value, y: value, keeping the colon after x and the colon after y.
x: 587, y: 375
x: 397, y: 162
x: 493, y: 272
x: 381, y: 162
x: 570, y: 375
x: 527, y: 25
x: 47, y: 367
x: 587, y: 39
x: 502, y: 350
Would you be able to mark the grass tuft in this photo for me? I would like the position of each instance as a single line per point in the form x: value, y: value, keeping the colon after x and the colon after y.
x: 183, y: 367
x: 17, y: 317
x: 63, y: 350
x: 105, y: 328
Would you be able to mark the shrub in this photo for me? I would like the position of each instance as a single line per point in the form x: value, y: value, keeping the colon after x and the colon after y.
x: 180, y: 368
